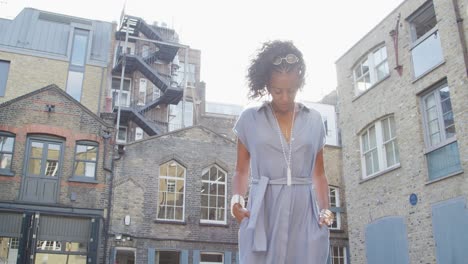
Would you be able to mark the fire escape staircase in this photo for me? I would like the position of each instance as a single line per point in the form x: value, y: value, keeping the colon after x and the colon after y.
x: 172, y: 94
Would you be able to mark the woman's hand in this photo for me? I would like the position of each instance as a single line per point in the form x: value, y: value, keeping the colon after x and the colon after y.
x: 240, y: 212
x: 326, y: 217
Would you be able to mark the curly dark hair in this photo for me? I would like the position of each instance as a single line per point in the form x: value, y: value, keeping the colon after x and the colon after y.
x: 262, y: 67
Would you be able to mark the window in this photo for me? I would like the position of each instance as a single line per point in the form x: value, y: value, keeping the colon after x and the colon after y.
x: 125, y: 97
x: 7, y: 144
x: 167, y: 257
x: 372, y: 69
x: 191, y: 80
x: 213, y: 195
x: 175, y: 115
x: 60, y: 252
x: 142, y: 92
x: 171, y: 191
x: 122, y: 136
x: 211, y: 258
x: 379, y: 148
x: 44, y: 159
x: 338, y: 255
x: 334, y: 196
x: 77, y: 63
x: 426, y: 51
x: 156, y: 92
x: 10, y: 247
x: 4, y: 69
x: 439, y: 128
x: 40, y: 182
x: 138, y: 133
x: 86, y: 154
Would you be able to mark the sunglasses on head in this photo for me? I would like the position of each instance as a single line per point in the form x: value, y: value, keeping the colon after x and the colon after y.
x: 290, y: 59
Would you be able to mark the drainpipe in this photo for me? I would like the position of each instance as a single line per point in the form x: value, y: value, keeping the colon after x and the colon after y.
x: 110, y: 196
x: 461, y: 34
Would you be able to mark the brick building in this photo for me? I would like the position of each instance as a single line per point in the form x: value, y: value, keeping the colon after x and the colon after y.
x: 403, y: 115
x: 171, y: 195
x: 332, y: 156
x: 53, y: 178
x: 53, y: 185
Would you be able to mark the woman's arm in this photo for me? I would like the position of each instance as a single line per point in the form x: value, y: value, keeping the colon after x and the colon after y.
x: 240, y: 179
x: 321, y: 183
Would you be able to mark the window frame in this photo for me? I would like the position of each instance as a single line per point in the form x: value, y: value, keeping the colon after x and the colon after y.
x: 373, y: 78
x: 8, y: 171
x: 211, y: 253
x: 126, y: 135
x: 337, y: 208
x: 78, y: 68
x: 444, y: 140
x: 84, y: 178
x: 4, y: 81
x: 208, y: 221
x: 167, y: 177
x: 343, y: 250
x: 380, y: 147
x: 128, y: 93
x: 415, y: 41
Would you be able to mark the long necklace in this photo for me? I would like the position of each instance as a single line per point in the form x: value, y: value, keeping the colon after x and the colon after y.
x: 287, y: 159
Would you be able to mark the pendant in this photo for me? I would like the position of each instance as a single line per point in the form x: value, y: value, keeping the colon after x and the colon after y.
x: 289, y: 177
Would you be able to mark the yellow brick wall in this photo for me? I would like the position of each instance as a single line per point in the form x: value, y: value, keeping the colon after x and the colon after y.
x: 29, y: 73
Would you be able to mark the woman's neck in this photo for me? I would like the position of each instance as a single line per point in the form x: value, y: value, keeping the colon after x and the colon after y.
x: 284, y: 113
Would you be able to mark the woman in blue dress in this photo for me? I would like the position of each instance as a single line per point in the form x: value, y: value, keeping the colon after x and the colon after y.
x: 280, y: 146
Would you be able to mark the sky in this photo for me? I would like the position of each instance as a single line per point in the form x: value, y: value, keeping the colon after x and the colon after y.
x: 228, y: 33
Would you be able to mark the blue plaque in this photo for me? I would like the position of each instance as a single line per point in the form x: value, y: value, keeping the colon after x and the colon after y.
x: 413, y: 199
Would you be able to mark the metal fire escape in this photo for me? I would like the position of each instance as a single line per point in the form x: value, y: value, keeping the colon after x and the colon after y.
x: 160, y: 50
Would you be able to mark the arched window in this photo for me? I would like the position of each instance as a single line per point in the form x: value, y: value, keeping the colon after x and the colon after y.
x: 379, y: 148
x: 7, y: 145
x: 370, y: 70
x: 171, y: 202
x: 86, y: 156
x: 213, y: 195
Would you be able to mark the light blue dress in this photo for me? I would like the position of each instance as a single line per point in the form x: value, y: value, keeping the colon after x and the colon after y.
x: 283, y: 226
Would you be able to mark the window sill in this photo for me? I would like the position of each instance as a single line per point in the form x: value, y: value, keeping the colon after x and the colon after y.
x: 370, y: 88
x: 7, y: 173
x: 428, y: 72
x: 208, y: 224
x: 394, y: 167
x: 445, y: 177
x: 83, y: 180
x: 170, y: 222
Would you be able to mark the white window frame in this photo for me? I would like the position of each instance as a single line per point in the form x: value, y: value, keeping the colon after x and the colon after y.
x: 167, y: 177
x: 337, y: 205
x: 207, y: 170
x: 211, y: 253
x: 443, y: 137
x: 372, y: 72
x: 139, y: 133
x: 344, y: 255
x: 142, y: 91
x: 126, y: 132
x: 380, y: 146
x: 128, y: 93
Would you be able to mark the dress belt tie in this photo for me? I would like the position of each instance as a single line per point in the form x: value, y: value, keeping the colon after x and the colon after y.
x: 256, y: 212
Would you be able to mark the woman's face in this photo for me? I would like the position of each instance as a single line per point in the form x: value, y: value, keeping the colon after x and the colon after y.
x: 283, y: 87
